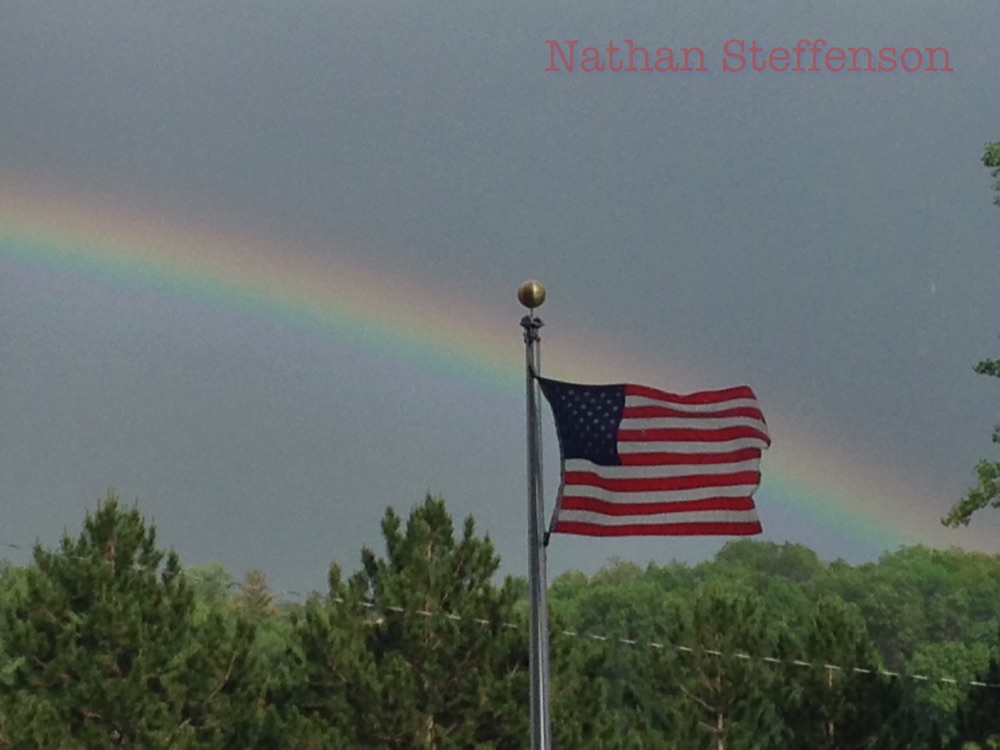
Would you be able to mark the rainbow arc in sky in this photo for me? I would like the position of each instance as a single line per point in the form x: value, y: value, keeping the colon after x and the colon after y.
x: 806, y: 483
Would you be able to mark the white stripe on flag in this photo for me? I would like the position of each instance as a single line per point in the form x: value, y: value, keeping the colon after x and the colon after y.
x: 669, y: 446
x: 736, y: 403
x: 660, y: 496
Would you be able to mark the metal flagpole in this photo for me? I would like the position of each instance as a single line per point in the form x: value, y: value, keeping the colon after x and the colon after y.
x: 531, y: 294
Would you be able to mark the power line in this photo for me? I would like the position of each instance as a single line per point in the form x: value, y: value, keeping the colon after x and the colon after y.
x: 663, y: 646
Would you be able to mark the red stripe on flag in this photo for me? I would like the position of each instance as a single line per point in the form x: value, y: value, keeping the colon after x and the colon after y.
x: 662, y: 529
x: 643, y: 412
x: 703, y: 397
x: 658, y: 484
x: 684, y: 459
x: 594, y: 505
x: 693, y: 436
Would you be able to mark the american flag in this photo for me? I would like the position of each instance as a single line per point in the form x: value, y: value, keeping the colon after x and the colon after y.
x: 637, y: 460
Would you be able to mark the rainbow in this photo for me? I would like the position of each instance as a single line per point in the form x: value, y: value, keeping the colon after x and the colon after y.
x: 808, y: 486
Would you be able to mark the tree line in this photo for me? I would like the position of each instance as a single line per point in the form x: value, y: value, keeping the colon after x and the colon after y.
x: 108, y: 641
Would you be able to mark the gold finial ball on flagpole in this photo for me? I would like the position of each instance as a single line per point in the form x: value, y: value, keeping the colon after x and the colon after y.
x: 531, y: 294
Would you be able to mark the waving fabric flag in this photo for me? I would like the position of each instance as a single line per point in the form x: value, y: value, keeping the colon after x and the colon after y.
x: 636, y: 460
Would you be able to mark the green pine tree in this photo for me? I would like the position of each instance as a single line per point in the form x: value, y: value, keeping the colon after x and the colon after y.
x: 413, y: 651
x: 727, y: 692
x: 833, y: 706
x: 105, y: 651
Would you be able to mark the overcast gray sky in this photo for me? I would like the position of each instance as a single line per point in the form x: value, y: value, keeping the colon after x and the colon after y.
x: 828, y: 238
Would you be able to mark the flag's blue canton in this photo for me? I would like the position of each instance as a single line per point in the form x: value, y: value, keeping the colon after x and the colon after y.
x: 587, y: 419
